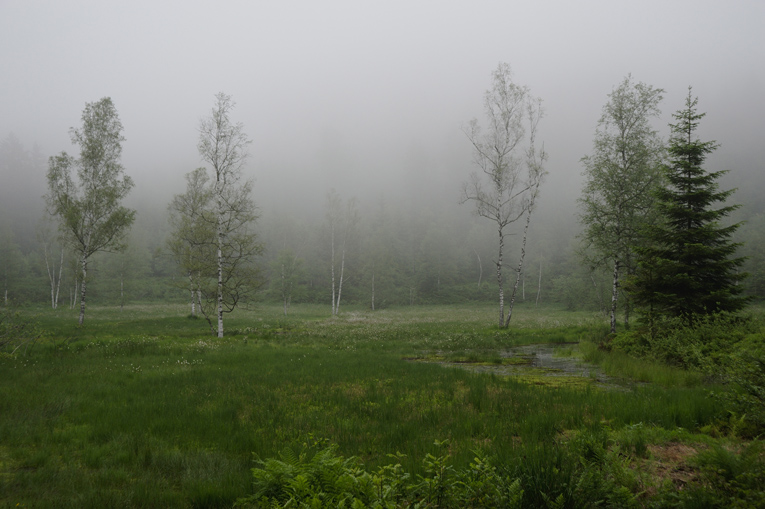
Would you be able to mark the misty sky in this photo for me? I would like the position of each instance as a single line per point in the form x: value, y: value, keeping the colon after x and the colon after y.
x: 370, y: 96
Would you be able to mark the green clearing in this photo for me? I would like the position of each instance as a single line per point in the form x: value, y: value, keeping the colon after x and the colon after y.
x: 144, y: 408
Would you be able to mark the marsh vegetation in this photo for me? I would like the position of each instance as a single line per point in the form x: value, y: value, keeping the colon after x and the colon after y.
x: 143, y: 408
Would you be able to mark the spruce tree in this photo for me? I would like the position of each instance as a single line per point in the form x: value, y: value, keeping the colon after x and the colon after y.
x: 689, y: 267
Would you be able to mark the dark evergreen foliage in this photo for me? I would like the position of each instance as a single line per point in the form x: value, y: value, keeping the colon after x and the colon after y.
x: 689, y: 267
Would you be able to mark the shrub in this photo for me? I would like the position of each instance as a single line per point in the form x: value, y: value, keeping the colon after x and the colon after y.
x: 318, y: 479
x: 725, y: 346
x: 746, y: 395
x: 325, y: 479
x: 709, y: 342
x: 732, y: 479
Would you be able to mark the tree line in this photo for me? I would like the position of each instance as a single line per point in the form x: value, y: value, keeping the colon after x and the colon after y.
x: 648, y: 219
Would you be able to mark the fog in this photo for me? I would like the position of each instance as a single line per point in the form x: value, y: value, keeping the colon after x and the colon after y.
x: 369, y: 97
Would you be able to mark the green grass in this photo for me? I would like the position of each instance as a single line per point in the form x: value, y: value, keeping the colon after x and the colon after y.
x: 619, y: 364
x: 145, y: 408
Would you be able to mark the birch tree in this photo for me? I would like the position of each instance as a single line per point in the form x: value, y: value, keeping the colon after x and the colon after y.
x: 510, y: 169
x: 341, y: 223
x: 86, y: 193
x: 51, y: 249
x: 287, y: 272
x: 536, y: 174
x: 223, y: 145
x: 382, y: 272
x: 192, y: 240
x: 621, y: 177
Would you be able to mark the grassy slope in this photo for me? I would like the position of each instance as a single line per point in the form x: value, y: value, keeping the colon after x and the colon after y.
x: 145, y: 408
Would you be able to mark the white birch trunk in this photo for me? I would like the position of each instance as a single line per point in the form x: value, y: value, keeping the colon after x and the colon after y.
x: 51, y: 278
x: 539, y: 282
x: 83, y: 285
x: 480, y: 268
x: 58, y: 284
x: 220, y: 269
x: 332, y: 238
x: 193, y: 295
x: 499, y: 279
x: 519, y: 270
x: 614, y: 296
x: 340, y: 285
x: 284, y: 291
x: 73, y: 294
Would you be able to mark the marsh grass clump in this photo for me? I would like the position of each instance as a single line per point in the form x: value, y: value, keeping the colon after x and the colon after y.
x: 17, y: 332
x: 620, y: 364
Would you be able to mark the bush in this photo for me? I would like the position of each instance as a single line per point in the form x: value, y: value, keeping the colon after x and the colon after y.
x: 318, y: 479
x: 325, y: 479
x: 710, y: 341
x: 746, y: 396
x: 588, y: 470
x: 727, y: 347
x: 732, y: 479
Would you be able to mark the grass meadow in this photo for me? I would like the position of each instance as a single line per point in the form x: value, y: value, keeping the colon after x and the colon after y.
x: 144, y: 408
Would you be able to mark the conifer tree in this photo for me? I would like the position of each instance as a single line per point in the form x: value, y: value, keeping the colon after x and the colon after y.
x: 689, y: 267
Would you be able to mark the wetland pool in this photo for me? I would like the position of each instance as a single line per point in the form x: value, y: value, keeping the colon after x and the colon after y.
x: 554, y: 364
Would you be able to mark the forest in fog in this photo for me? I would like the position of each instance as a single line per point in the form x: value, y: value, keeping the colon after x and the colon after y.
x: 414, y: 238
x: 379, y: 126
